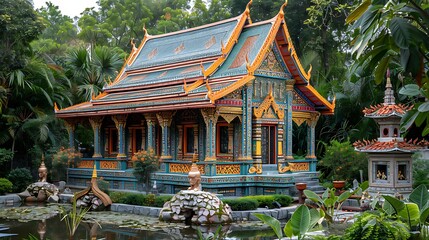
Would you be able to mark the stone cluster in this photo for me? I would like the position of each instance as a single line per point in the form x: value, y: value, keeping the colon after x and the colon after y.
x: 90, y: 200
x: 40, y: 191
x: 198, y: 206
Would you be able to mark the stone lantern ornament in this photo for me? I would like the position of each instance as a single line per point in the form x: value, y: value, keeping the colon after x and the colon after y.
x: 390, y: 162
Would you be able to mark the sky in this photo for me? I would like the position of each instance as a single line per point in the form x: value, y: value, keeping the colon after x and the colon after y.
x: 71, y: 8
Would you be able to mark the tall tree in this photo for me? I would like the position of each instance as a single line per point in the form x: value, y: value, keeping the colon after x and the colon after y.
x: 395, y: 34
x: 91, y: 72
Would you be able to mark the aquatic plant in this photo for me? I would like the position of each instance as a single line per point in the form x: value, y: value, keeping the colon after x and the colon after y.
x: 73, y: 217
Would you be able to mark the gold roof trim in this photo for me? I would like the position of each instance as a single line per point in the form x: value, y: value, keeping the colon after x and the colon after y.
x: 213, y: 96
x: 266, y: 46
x: 193, y: 86
x: 230, y: 44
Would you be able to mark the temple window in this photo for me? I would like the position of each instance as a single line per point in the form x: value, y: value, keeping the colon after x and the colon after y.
x: 385, y: 132
x: 188, y: 143
x: 136, y: 139
x: 402, y: 172
x: 113, y: 140
x: 395, y: 132
x: 222, y: 138
x: 381, y: 172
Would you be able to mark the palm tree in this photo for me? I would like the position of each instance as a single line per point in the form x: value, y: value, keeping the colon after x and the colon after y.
x: 27, y: 115
x: 91, y: 71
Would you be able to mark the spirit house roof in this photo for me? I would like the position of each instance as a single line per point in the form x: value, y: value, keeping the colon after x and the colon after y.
x: 388, y: 116
x: 197, y: 67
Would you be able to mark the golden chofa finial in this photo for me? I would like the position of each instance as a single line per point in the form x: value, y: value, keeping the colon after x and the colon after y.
x: 56, y: 109
x: 247, y: 11
x: 281, y: 12
x: 94, y: 172
x: 145, y: 30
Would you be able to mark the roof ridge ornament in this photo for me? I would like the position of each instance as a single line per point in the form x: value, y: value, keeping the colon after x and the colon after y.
x: 389, y: 98
x: 247, y: 11
x: 281, y: 12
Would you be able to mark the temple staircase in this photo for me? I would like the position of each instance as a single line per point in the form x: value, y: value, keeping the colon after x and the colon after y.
x: 311, y: 178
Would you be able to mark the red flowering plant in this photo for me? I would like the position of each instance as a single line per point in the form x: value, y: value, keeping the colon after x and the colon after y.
x: 145, y: 163
x: 61, y: 160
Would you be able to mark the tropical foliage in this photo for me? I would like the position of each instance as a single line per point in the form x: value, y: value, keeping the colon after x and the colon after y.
x: 342, y: 162
x: 394, y: 34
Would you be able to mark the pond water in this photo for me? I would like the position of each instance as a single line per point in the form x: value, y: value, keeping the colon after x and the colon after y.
x: 43, y: 222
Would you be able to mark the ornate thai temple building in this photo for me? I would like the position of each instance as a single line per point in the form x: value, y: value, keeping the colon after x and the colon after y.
x: 390, y: 162
x: 225, y: 93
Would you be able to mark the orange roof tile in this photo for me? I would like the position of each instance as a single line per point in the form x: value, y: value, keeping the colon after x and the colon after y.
x: 393, y: 145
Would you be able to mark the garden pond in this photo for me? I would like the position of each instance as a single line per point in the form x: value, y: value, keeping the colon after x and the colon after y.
x: 43, y: 222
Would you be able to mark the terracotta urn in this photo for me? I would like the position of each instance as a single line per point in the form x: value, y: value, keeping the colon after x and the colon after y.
x: 301, y: 186
x: 339, y: 184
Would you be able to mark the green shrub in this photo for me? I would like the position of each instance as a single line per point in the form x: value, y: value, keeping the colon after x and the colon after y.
x: 135, y: 199
x: 21, y: 177
x: 160, y: 200
x: 241, y: 204
x: 117, y: 197
x: 103, y: 185
x: 376, y: 226
x: 342, y: 162
x: 284, y: 200
x: 420, y: 171
x: 5, y: 186
x: 267, y: 200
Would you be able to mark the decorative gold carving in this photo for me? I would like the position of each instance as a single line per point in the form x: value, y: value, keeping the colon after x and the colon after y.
x: 70, y: 125
x: 228, y: 169
x: 235, y: 95
x: 271, y: 63
x: 281, y: 168
x: 85, y: 164
x: 179, y: 48
x: 96, y: 122
x: 210, y: 42
x: 109, y: 165
x: 299, y: 121
x: 210, y: 114
x: 256, y: 168
x: 183, y: 168
x: 310, y: 118
x: 266, y: 104
x: 165, y: 118
x: 299, y: 166
x: 120, y: 120
x: 228, y: 117
x: 230, y: 88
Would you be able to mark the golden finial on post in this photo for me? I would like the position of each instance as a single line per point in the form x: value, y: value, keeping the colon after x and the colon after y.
x: 281, y: 12
x: 94, y: 172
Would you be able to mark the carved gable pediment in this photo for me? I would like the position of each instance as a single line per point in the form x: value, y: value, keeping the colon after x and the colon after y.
x: 271, y: 66
x: 298, y: 100
x: 269, y: 107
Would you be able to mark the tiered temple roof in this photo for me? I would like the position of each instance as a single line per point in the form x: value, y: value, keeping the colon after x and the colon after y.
x: 197, y: 67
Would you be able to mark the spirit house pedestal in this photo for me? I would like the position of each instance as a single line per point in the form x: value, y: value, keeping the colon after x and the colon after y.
x: 390, y: 163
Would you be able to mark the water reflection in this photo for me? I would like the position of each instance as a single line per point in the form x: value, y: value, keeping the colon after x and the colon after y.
x: 43, y: 222
x: 53, y: 229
